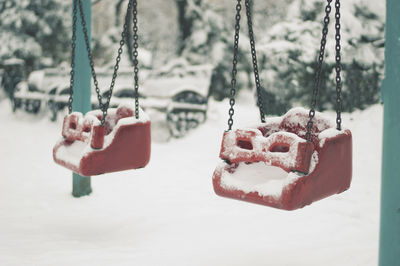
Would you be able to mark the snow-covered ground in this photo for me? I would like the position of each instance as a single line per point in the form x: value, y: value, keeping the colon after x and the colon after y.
x: 168, y: 214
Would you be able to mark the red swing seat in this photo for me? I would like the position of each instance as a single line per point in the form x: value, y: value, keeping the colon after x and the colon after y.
x: 312, y: 171
x: 89, y: 149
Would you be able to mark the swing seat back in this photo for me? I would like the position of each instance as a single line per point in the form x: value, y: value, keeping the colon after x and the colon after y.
x: 282, y: 149
x: 87, y: 148
x: 325, y: 161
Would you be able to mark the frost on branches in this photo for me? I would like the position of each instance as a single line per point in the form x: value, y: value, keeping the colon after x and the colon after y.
x: 288, y: 55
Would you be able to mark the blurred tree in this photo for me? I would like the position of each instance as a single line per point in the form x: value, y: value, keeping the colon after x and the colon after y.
x: 289, y: 51
x: 35, y: 31
x: 118, y: 6
x: 12, y: 73
x: 185, y: 23
x: 206, y: 37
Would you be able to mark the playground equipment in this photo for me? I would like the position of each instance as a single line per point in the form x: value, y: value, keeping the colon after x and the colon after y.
x: 314, y: 157
x: 88, y: 148
x: 105, y: 140
x: 389, y: 251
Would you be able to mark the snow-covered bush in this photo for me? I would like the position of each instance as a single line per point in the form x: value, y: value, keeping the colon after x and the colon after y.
x: 35, y: 31
x: 208, y: 34
x: 288, y: 56
x: 222, y: 74
x: 39, y: 33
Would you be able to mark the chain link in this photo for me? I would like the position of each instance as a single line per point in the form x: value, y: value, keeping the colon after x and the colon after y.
x: 310, y: 122
x: 338, y: 68
x: 254, y: 60
x: 234, y: 64
x: 135, y: 58
x: 73, y: 45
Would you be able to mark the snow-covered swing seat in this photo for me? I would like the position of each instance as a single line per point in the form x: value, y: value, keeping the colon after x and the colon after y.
x: 87, y: 148
x: 308, y: 171
x: 109, y: 139
x: 291, y: 161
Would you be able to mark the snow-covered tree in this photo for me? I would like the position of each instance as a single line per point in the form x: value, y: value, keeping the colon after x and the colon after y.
x: 289, y: 56
x: 206, y: 37
x: 203, y: 33
x: 35, y: 31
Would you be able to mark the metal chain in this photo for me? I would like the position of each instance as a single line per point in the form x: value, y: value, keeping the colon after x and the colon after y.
x: 135, y: 57
x: 104, y: 107
x: 338, y: 68
x: 254, y: 60
x: 117, y: 61
x: 319, y: 69
x: 73, y: 45
x: 234, y: 65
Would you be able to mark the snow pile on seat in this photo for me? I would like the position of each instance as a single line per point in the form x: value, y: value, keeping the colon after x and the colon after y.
x: 329, y: 133
x: 257, y: 177
x: 73, y: 153
x: 296, y: 119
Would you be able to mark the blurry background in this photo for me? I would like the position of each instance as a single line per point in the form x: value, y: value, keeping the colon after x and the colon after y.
x: 178, y: 36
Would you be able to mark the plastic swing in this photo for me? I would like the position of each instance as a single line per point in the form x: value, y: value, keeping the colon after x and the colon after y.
x: 291, y: 161
x: 109, y: 139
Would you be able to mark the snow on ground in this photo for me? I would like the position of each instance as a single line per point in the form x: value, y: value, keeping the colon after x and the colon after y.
x: 168, y: 214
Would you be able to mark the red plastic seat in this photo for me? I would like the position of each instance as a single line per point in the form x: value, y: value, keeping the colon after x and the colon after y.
x: 314, y: 170
x: 90, y: 149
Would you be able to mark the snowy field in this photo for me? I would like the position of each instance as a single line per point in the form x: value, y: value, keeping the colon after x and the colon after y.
x: 168, y: 214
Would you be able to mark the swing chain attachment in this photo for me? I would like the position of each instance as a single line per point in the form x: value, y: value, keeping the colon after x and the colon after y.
x: 338, y: 68
x: 254, y: 60
x: 135, y: 57
x: 73, y: 45
x: 235, y: 61
x: 234, y: 64
x: 104, y: 106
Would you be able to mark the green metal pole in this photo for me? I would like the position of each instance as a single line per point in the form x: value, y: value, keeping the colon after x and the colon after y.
x: 82, y: 89
x: 389, y: 250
